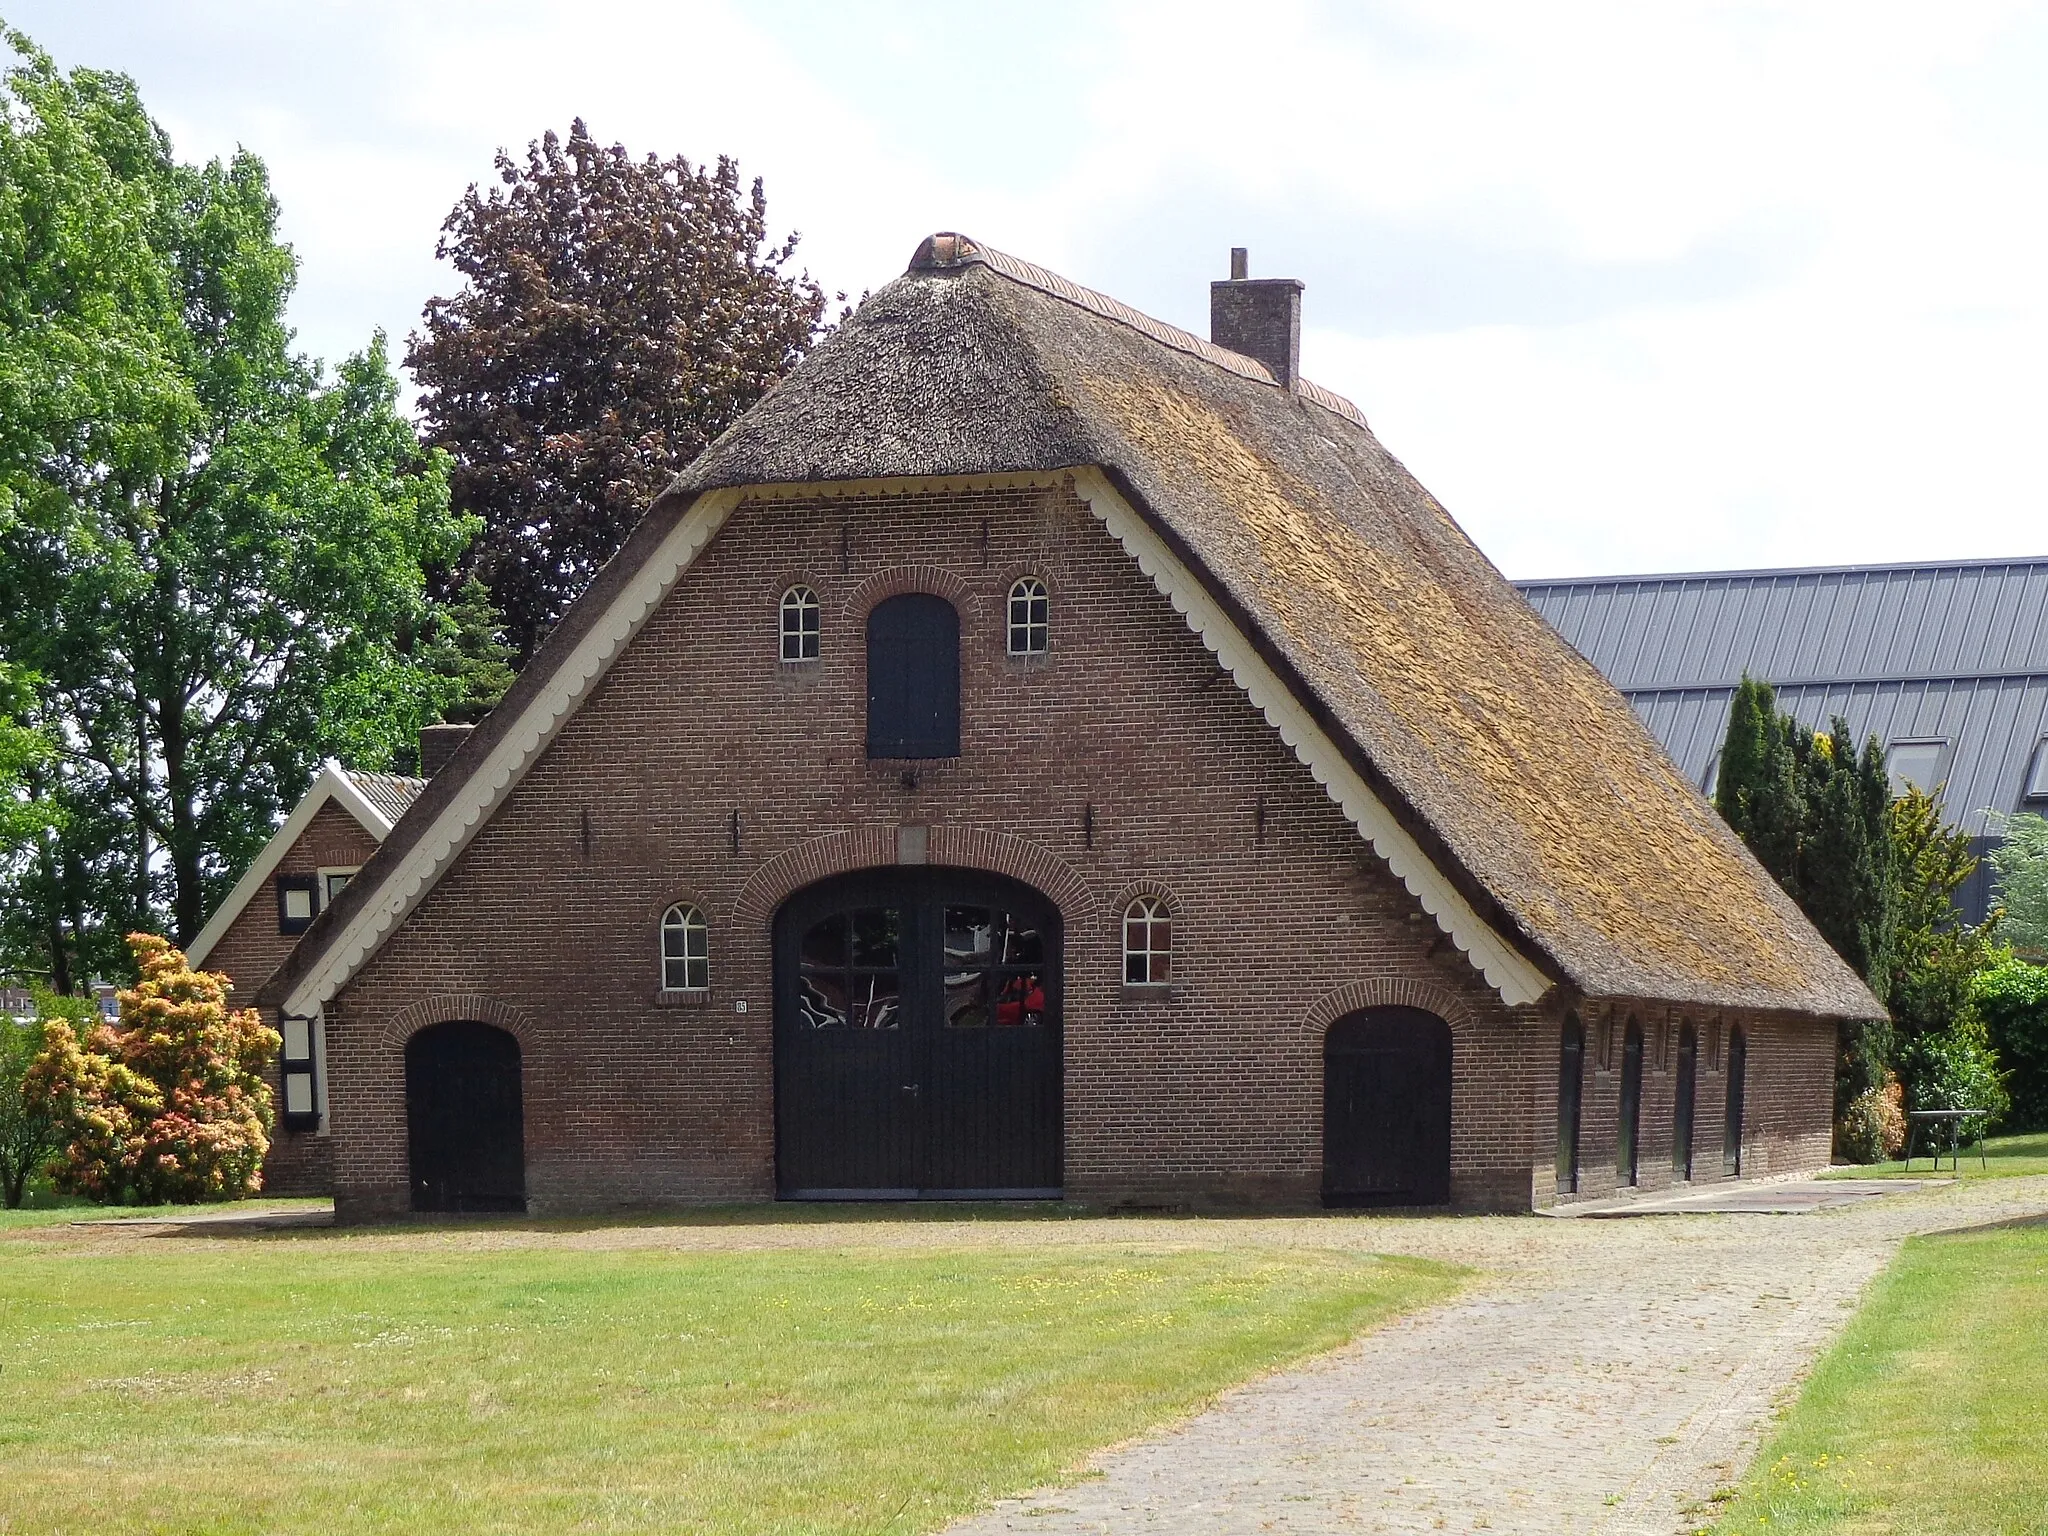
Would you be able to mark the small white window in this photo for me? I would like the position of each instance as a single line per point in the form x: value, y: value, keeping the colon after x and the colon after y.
x: 2037, y: 781
x: 800, y: 622
x: 331, y: 883
x: 1148, y: 943
x: 685, y: 950
x: 1030, y: 626
x: 1917, y: 763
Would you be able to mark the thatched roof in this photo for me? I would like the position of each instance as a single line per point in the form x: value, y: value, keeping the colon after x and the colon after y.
x: 1511, y: 762
x: 1511, y: 754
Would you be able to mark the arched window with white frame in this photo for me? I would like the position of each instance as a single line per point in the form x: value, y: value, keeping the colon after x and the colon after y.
x: 685, y: 950
x: 801, y: 623
x: 1148, y: 943
x: 1030, y: 617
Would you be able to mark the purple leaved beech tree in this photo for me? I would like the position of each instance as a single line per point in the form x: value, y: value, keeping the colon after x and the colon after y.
x: 617, y: 315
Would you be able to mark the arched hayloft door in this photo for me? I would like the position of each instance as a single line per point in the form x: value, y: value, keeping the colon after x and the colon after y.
x: 917, y: 1038
x: 914, y: 677
x: 1387, y: 1109
x: 464, y: 1119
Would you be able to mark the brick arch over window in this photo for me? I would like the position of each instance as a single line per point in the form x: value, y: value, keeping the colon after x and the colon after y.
x: 442, y: 1008
x: 898, y: 579
x: 1389, y: 992
x: 873, y: 847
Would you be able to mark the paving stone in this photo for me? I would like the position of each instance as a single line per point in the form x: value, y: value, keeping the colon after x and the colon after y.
x: 1605, y: 1377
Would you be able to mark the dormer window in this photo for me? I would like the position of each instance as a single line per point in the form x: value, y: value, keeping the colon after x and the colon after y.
x: 800, y: 624
x: 1916, y: 765
x: 1030, y: 626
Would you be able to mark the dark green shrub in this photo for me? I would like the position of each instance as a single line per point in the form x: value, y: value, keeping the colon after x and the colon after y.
x: 2012, y: 999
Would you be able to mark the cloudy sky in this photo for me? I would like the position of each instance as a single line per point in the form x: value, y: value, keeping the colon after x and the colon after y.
x: 1631, y: 287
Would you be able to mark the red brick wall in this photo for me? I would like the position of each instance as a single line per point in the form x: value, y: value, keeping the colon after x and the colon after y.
x: 300, y: 1162
x: 1790, y: 1084
x: 1211, y: 1093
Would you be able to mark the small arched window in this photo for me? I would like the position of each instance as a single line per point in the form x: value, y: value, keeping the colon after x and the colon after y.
x: 1030, y: 623
x: 800, y: 624
x: 685, y: 950
x: 1148, y: 943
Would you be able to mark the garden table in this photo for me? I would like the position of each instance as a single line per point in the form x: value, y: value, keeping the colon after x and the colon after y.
x: 1933, y: 1119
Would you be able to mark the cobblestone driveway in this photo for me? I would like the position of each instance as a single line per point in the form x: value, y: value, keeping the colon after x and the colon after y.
x: 1607, y: 1376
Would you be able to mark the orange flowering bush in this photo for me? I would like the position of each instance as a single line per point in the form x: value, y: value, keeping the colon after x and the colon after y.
x: 170, y: 1105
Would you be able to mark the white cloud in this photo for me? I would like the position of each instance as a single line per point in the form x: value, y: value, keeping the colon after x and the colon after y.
x: 1679, y: 285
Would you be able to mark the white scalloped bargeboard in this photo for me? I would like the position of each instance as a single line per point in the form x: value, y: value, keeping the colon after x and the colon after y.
x: 1505, y: 969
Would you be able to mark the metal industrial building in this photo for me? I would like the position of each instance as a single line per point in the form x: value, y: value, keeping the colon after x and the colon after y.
x: 1946, y: 664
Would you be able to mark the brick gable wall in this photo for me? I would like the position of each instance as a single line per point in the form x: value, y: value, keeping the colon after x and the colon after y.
x: 1125, y: 761
x: 300, y: 1162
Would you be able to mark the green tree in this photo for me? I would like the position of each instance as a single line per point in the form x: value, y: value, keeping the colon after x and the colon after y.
x: 1943, y: 1050
x: 28, y: 1134
x: 468, y: 649
x: 2021, y: 862
x: 214, y: 553
x: 1816, y: 813
x: 617, y: 315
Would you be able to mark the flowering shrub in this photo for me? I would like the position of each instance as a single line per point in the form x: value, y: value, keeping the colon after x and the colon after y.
x: 170, y: 1105
x: 1873, y: 1128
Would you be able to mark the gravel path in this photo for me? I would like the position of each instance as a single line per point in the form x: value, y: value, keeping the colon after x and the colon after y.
x: 1607, y: 1376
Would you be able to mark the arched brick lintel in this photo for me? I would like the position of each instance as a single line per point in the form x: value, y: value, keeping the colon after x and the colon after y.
x: 441, y: 1008
x: 898, y: 579
x: 1390, y: 992
x: 839, y: 853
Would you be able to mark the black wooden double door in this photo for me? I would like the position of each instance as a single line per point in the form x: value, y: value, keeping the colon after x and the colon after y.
x: 917, y: 1039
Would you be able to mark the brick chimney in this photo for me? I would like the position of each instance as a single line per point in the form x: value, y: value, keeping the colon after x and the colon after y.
x: 1259, y: 317
x: 438, y: 744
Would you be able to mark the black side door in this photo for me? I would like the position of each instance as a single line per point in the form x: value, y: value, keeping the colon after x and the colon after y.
x: 465, y: 1125
x: 1387, y: 1109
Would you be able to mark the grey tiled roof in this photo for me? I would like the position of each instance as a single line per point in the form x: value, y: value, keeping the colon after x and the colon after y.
x: 391, y: 793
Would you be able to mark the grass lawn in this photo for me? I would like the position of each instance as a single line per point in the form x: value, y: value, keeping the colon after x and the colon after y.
x: 1930, y: 1416
x: 2005, y: 1157
x: 424, y: 1380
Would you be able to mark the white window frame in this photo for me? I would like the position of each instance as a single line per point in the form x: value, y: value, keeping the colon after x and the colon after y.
x: 1154, y: 962
x: 324, y: 894
x: 686, y: 941
x: 798, y: 604
x: 1029, y: 636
